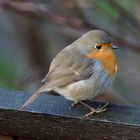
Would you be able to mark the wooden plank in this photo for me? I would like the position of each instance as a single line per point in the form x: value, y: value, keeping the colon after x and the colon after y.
x: 49, y: 117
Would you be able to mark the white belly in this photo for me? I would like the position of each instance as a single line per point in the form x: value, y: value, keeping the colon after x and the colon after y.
x: 86, y: 89
x: 82, y: 90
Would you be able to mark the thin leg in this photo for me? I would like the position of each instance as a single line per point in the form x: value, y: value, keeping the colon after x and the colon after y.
x: 86, y: 105
x: 103, y: 107
x: 73, y: 104
x: 99, y: 109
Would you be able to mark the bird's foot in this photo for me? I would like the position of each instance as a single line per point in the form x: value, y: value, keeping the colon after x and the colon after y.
x: 99, y: 109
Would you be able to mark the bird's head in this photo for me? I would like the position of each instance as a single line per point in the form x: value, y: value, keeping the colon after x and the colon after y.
x: 95, y: 41
x: 97, y: 44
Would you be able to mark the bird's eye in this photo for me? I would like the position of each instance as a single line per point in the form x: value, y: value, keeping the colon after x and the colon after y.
x: 98, y: 47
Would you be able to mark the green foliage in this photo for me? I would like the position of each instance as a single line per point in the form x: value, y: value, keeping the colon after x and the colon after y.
x: 8, y: 74
x: 108, y: 9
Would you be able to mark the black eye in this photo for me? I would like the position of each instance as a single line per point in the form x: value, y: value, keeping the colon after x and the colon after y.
x: 98, y: 47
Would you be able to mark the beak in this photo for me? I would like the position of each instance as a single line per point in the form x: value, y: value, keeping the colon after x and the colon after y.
x: 114, y: 47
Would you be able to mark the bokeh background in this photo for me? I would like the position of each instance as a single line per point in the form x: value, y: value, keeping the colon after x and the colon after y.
x: 32, y: 32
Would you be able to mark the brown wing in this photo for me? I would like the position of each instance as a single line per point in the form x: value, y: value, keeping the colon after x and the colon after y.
x: 68, y: 67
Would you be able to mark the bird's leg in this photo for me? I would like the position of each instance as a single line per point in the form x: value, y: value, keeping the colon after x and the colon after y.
x: 103, y: 107
x: 99, y: 109
x: 73, y: 104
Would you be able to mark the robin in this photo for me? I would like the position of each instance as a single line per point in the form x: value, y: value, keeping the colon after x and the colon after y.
x: 81, y: 70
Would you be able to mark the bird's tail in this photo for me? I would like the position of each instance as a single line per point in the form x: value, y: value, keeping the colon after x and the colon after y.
x: 33, y: 97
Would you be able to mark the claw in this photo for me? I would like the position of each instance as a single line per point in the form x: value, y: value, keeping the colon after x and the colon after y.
x: 95, y: 111
x: 99, y: 109
x: 99, y: 106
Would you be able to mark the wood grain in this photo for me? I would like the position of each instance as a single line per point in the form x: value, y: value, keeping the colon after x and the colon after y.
x: 49, y: 117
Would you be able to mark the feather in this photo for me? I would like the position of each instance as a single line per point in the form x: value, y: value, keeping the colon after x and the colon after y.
x: 68, y: 67
x: 33, y: 97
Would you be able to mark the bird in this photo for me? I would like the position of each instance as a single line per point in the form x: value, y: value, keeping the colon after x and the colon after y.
x: 80, y: 71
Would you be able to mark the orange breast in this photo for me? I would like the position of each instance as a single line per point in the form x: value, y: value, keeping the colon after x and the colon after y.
x: 107, y: 58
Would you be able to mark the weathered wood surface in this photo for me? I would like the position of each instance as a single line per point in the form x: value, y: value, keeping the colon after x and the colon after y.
x: 49, y: 117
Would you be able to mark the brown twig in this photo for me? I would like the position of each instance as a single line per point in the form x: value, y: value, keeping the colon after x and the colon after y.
x: 40, y: 11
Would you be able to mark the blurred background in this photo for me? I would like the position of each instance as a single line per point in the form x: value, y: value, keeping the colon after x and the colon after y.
x: 32, y: 32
